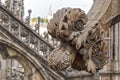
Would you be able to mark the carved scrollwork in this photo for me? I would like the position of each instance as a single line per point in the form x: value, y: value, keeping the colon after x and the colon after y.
x: 43, y: 47
x: 24, y: 35
x: 33, y: 41
x: 5, y: 19
x: 14, y: 27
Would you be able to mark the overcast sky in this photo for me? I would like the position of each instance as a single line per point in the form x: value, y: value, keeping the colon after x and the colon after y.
x: 41, y: 7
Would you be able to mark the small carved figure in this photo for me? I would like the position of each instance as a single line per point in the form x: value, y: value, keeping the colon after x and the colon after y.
x: 81, y: 46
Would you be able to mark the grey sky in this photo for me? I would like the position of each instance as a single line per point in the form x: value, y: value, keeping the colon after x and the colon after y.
x: 41, y: 7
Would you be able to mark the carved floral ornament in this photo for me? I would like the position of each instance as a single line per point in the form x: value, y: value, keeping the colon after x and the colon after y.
x: 81, y: 47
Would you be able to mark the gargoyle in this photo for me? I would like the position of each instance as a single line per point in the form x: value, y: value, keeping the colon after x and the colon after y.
x: 82, y: 47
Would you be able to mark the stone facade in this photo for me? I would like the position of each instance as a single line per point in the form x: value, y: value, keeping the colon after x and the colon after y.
x: 35, y: 67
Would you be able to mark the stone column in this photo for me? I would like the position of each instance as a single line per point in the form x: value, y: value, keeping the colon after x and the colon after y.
x: 3, y: 70
x: 29, y: 16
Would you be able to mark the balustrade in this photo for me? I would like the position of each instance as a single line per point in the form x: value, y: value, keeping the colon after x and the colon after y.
x: 26, y: 35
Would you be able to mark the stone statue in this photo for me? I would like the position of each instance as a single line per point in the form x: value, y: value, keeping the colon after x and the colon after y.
x: 81, y: 47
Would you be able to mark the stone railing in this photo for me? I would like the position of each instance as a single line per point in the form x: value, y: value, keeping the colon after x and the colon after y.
x: 27, y: 37
x: 18, y: 29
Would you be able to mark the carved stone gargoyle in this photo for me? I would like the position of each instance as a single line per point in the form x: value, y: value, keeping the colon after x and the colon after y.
x: 81, y: 47
x: 82, y: 44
